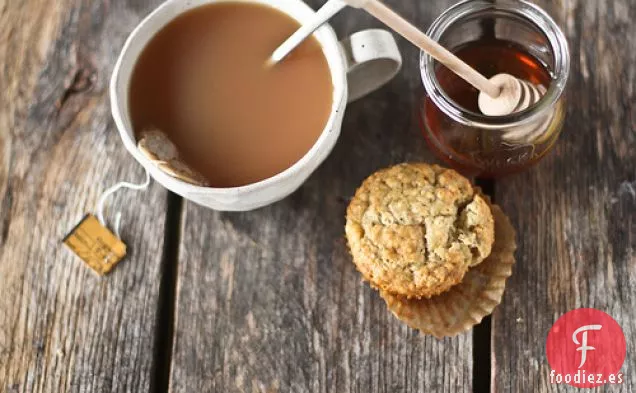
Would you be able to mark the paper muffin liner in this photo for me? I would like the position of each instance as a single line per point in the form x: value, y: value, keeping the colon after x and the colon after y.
x: 156, y: 146
x: 468, y: 302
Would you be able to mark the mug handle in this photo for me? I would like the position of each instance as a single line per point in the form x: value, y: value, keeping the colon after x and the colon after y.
x: 372, y: 59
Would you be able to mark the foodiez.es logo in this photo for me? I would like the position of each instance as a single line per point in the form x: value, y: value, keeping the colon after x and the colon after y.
x: 586, y: 348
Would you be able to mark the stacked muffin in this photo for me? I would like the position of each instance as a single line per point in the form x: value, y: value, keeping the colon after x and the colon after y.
x: 436, y: 248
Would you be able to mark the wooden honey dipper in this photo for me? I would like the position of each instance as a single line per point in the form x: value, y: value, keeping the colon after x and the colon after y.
x: 501, y: 95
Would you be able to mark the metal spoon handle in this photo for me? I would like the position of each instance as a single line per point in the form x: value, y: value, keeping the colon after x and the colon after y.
x: 328, y: 10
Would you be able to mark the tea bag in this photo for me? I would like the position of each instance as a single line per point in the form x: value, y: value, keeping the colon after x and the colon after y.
x: 156, y: 146
x: 101, y: 247
x: 93, y: 241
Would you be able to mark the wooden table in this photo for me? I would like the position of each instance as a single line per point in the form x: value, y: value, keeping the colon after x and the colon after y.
x: 269, y: 301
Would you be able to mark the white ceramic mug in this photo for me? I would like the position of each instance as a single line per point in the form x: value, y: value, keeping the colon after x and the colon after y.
x: 359, y: 65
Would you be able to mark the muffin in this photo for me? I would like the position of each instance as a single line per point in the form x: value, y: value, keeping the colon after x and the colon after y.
x: 414, y: 230
x: 467, y: 303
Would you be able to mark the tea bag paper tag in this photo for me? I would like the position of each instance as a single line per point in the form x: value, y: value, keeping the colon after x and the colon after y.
x: 96, y: 245
x: 93, y: 242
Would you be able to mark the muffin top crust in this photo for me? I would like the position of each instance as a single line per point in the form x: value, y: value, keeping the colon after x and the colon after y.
x: 415, y: 229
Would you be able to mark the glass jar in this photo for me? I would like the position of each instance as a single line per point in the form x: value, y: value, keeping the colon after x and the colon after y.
x: 493, y: 36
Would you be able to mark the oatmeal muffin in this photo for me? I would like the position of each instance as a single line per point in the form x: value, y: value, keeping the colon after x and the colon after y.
x: 466, y: 304
x: 414, y: 230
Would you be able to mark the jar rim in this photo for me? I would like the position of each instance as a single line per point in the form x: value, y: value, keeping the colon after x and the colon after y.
x: 520, y: 8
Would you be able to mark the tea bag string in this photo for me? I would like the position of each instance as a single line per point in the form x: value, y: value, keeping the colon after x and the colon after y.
x: 101, y: 204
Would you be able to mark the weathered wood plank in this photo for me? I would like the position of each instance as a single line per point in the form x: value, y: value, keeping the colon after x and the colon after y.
x: 270, y: 301
x: 576, y: 212
x: 62, y: 328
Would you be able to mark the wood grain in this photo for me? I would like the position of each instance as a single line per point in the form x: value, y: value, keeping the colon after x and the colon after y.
x: 270, y: 301
x: 63, y: 328
x: 576, y: 212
